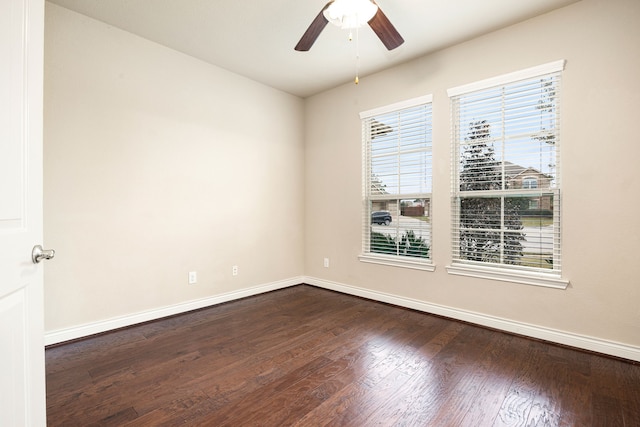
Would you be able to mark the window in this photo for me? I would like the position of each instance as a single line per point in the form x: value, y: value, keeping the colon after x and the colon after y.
x: 397, y: 184
x: 506, y: 225
x: 529, y: 182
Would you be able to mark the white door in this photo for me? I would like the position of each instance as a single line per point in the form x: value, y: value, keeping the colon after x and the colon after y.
x: 22, y: 375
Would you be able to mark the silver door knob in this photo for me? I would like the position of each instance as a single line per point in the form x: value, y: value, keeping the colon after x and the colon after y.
x: 38, y: 254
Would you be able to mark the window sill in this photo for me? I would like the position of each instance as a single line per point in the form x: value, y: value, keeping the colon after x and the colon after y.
x: 394, y: 261
x: 523, y: 277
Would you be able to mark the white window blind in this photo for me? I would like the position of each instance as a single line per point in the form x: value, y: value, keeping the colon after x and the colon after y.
x: 397, y: 184
x: 506, y: 176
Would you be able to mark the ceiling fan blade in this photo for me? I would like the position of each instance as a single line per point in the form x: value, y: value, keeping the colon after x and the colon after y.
x: 385, y: 30
x: 309, y: 37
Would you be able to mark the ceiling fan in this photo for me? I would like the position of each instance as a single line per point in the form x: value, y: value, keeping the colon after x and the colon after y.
x: 352, y: 14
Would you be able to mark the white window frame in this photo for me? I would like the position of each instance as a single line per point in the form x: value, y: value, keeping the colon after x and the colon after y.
x: 501, y: 272
x: 528, y: 180
x: 425, y: 264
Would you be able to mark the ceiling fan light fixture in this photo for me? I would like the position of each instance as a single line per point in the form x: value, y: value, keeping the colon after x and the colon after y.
x: 349, y: 14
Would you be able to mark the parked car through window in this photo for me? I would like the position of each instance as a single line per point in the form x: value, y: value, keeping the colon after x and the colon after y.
x: 381, y: 217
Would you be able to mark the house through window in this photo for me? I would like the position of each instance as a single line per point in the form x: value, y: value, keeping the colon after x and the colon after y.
x: 397, y: 184
x: 505, y: 177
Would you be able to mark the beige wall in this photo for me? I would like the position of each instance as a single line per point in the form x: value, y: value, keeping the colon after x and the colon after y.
x: 600, y: 40
x: 157, y: 164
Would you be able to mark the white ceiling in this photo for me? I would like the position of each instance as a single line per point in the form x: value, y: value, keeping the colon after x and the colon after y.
x: 256, y: 38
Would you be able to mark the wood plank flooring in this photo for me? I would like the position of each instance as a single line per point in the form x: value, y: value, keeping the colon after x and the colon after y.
x: 304, y: 356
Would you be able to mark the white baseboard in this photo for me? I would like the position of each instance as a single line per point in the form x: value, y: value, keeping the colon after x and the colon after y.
x: 68, y: 334
x: 553, y: 335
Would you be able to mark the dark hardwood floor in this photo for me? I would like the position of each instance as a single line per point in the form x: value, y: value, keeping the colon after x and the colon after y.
x: 310, y: 357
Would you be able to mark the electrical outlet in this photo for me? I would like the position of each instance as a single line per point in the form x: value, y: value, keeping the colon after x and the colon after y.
x: 234, y: 270
x: 326, y: 263
x: 193, y: 277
